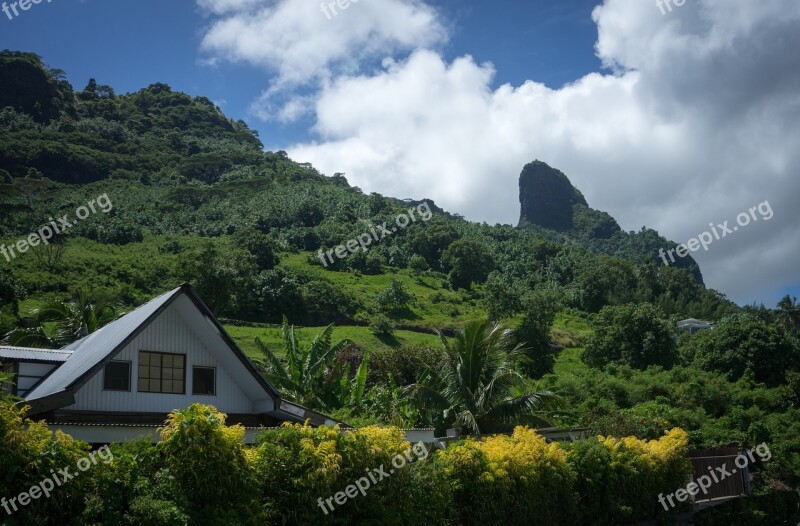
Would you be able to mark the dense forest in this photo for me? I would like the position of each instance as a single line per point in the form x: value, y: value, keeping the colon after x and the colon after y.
x: 583, y: 312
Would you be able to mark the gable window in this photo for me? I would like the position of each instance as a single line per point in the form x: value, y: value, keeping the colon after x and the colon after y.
x: 162, y: 372
x: 11, y: 368
x: 204, y: 381
x: 117, y: 376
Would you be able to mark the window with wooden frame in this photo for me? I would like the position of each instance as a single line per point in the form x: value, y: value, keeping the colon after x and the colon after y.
x: 162, y: 372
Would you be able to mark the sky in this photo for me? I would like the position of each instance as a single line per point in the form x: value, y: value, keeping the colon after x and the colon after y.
x: 678, y: 117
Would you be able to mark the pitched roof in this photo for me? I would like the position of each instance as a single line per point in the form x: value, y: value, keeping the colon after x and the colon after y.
x: 94, y: 348
x: 693, y: 321
x: 91, y: 353
x: 24, y: 354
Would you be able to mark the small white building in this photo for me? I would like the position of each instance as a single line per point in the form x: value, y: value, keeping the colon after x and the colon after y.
x: 692, y: 325
x: 121, y: 381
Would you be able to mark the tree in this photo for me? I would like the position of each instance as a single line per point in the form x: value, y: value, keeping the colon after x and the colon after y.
x: 305, y: 377
x: 382, y: 327
x: 393, y: 299
x: 502, y: 295
x: 418, y: 264
x: 636, y: 335
x: 261, y: 246
x: 11, y: 292
x: 56, y: 324
x: 468, y: 262
x: 740, y: 342
x: 279, y: 294
x: 474, y: 383
x: 223, y: 278
x: 48, y: 256
x: 533, y: 333
x: 430, y: 240
x: 789, y: 314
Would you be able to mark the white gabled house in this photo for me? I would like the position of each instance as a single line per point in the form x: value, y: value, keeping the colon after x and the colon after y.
x: 121, y: 381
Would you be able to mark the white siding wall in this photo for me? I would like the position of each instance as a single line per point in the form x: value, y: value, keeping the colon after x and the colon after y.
x: 168, y: 333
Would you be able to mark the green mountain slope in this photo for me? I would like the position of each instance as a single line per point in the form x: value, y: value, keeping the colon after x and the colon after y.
x: 195, y: 198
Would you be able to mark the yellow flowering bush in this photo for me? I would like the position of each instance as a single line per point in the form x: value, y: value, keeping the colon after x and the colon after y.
x: 517, y: 479
x: 620, y: 479
x: 29, y: 452
x: 214, y: 479
x: 298, y: 465
x: 523, y: 479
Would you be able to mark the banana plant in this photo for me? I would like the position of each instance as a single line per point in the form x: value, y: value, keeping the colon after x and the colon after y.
x: 343, y: 391
x: 303, y: 378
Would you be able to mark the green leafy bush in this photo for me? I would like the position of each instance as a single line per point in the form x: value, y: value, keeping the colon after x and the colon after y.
x: 636, y: 335
x: 214, y: 479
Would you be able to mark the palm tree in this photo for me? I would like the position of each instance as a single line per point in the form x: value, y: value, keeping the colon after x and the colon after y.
x: 789, y: 314
x: 306, y: 378
x: 56, y: 323
x: 474, y: 383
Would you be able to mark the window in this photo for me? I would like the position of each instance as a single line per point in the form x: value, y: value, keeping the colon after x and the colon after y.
x: 162, y: 372
x: 203, y: 381
x: 10, y: 388
x: 117, y: 376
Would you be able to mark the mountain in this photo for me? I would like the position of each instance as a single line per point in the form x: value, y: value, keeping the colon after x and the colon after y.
x: 549, y: 202
x: 196, y: 198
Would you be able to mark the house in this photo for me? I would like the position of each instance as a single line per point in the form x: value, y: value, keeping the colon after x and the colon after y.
x: 121, y: 381
x: 692, y: 325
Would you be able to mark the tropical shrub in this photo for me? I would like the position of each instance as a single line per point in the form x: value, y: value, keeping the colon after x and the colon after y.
x: 522, y: 479
x: 302, y: 467
x: 636, y: 335
x: 29, y: 454
x: 516, y: 480
x: 394, y: 299
x: 213, y: 476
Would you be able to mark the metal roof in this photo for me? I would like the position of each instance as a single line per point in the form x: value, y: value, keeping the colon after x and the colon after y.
x: 96, y: 347
x: 33, y: 355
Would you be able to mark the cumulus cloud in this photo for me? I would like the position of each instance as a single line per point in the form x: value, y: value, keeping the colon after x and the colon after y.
x: 227, y: 6
x: 694, y: 123
x: 305, y: 46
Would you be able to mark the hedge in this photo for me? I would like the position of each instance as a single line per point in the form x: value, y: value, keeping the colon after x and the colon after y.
x: 202, y: 473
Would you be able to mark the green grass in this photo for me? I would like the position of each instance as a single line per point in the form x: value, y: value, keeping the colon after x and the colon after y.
x: 570, y: 330
x: 362, y: 336
x: 569, y: 361
x: 434, y: 307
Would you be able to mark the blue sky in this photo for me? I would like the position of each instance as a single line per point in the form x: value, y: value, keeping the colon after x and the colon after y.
x: 671, y: 120
x: 129, y: 45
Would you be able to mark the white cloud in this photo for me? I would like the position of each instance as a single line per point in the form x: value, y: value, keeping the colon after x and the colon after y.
x: 303, y: 46
x: 697, y: 124
x: 227, y: 6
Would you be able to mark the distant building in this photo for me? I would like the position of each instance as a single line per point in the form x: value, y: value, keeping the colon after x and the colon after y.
x: 692, y: 325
